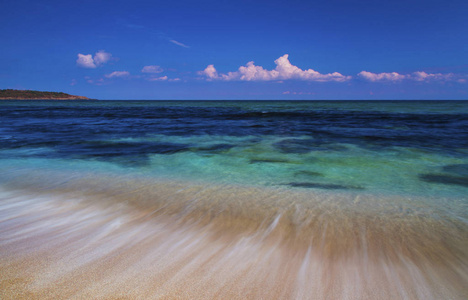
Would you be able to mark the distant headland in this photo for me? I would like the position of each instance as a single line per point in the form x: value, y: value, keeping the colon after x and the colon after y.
x: 10, y: 94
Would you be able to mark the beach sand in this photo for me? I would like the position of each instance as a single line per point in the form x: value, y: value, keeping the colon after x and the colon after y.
x: 130, y: 238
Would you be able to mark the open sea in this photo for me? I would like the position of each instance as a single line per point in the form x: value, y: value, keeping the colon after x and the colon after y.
x: 234, y: 199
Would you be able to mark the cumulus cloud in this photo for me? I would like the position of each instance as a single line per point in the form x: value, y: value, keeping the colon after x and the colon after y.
x: 101, y: 57
x: 394, y: 76
x: 284, y: 70
x: 117, y: 74
x: 209, y: 72
x: 85, y: 61
x: 415, y: 76
x: 423, y: 76
x: 152, y: 69
x: 88, y: 61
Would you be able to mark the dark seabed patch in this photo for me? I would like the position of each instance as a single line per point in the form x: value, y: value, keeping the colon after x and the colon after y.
x: 269, y: 160
x: 308, y: 173
x: 326, y: 186
x: 217, y: 148
x: 115, y: 149
x: 460, y: 169
x: 127, y: 154
x: 300, y: 146
x: 445, y: 179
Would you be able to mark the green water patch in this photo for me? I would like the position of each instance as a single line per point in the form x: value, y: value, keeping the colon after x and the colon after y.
x: 258, y: 161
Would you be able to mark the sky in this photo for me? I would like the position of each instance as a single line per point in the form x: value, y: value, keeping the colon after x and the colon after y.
x: 229, y: 50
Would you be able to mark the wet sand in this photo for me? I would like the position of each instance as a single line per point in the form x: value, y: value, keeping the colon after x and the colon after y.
x: 114, y: 238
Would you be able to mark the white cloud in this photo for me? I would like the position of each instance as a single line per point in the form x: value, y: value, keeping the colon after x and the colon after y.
x: 101, y: 57
x: 298, y: 93
x: 415, y: 76
x: 394, y: 76
x: 163, y: 78
x: 209, y: 72
x: 99, y: 81
x: 117, y: 74
x: 87, y: 61
x: 423, y: 76
x: 152, y: 69
x: 284, y: 70
x: 179, y: 43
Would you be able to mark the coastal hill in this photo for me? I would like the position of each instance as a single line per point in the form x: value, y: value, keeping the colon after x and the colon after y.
x: 10, y: 94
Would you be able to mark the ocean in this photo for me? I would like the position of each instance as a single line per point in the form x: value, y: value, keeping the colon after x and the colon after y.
x: 234, y: 199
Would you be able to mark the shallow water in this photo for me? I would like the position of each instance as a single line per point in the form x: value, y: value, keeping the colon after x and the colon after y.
x: 303, y: 200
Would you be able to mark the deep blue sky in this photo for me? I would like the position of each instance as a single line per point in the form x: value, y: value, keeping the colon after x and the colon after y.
x: 414, y: 49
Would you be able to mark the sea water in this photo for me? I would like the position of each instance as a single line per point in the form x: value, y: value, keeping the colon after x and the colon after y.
x: 237, y: 199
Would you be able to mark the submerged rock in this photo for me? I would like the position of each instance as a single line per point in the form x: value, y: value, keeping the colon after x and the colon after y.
x: 327, y: 186
x: 308, y: 173
x: 268, y: 160
x: 461, y: 169
x: 445, y: 179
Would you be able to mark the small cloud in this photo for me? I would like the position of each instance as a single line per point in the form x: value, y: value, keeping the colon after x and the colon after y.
x: 394, y: 76
x: 284, y: 71
x: 87, y: 61
x: 101, y: 57
x: 163, y: 78
x: 298, y: 93
x: 73, y: 82
x: 117, y: 74
x: 174, y: 79
x: 99, y: 81
x: 209, y: 72
x: 152, y: 69
x: 179, y: 43
x: 423, y: 76
x: 415, y: 76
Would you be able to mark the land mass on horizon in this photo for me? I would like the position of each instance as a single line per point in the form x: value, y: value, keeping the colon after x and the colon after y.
x: 10, y: 94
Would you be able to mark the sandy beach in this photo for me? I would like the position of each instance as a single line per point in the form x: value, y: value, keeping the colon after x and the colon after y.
x: 122, y: 239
